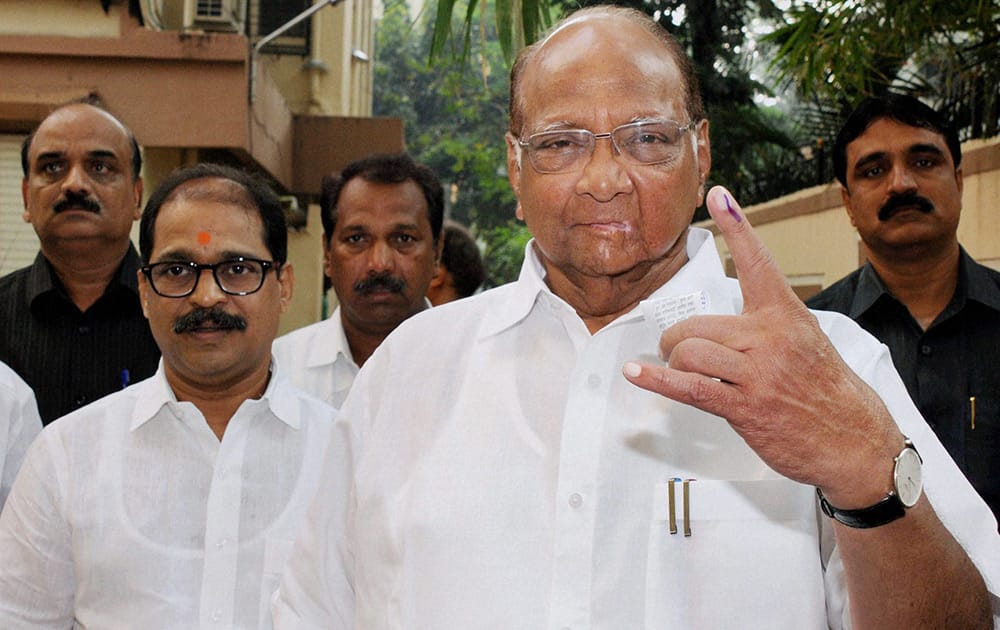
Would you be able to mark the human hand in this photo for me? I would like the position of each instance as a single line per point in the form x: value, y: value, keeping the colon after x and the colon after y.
x: 773, y: 374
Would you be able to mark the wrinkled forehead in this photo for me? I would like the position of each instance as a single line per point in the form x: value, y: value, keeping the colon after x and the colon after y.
x: 213, y: 189
x: 887, y: 135
x: 599, y: 55
x: 80, y: 122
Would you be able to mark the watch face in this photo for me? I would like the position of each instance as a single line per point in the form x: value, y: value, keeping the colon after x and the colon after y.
x: 907, y: 477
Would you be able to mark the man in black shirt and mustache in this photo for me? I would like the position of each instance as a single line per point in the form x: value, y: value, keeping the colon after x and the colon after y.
x: 70, y: 324
x: 920, y: 293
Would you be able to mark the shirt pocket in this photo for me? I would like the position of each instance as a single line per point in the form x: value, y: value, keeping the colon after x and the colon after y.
x: 752, y: 559
x: 277, y: 551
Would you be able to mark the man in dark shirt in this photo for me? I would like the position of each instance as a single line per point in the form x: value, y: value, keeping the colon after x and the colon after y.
x: 920, y: 293
x: 71, y: 323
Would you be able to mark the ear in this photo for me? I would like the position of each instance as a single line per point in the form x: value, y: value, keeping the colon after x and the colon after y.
x: 703, y: 154
x: 144, y: 290
x: 137, y: 197
x: 286, y: 284
x: 440, y: 275
x: 959, y: 180
x: 327, y: 262
x: 514, y: 166
x: 845, y: 196
x: 26, y: 215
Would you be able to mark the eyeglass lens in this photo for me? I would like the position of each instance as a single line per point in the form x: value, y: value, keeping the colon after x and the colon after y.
x: 177, y: 279
x: 642, y: 143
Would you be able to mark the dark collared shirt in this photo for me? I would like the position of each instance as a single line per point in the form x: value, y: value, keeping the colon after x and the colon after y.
x: 955, y: 360
x: 71, y: 358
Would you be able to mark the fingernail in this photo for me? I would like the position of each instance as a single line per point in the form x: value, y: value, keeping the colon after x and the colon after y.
x: 733, y: 212
x: 632, y: 369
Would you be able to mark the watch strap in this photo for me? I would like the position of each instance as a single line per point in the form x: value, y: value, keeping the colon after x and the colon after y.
x: 885, y: 511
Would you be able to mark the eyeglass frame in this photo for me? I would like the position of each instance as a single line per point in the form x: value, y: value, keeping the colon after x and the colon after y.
x: 266, y: 266
x: 692, y: 125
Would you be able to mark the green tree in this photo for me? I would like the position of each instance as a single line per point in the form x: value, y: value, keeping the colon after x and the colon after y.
x: 455, y: 116
x: 835, y: 52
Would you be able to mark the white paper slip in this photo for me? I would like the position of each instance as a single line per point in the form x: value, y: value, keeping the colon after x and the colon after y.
x: 667, y: 311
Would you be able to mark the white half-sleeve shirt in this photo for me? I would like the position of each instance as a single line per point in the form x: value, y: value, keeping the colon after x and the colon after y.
x: 19, y: 424
x: 131, y: 513
x: 506, y: 475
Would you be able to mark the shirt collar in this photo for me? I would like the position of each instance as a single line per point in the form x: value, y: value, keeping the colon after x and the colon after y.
x: 974, y: 283
x: 154, y: 393
x: 980, y: 284
x: 870, y: 288
x: 702, y: 272
x: 42, y: 277
x: 334, y: 347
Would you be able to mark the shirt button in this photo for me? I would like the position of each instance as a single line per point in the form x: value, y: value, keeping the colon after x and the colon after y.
x: 80, y: 400
x: 925, y: 350
x: 593, y: 381
x: 221, y: 543
x: 575, y: 500
x: 83, y: 329
x: 217, y: 616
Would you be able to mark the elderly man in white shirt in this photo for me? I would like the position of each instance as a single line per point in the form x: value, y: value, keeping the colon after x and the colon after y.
x: 382, y: 218
x: 524, y: 458
x: 19, y: 424
x: 173, y: 503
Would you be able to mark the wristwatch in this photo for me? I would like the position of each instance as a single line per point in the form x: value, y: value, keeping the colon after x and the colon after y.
x: 907, y: 485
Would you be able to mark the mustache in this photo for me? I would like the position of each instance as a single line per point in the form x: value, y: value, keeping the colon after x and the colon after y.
x: 384, y: 282
x: 898, y: 202
x: 76, y: 200
x: 200, y: 316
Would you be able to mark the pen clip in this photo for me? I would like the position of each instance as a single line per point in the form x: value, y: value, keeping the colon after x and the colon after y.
x: 671, y: 510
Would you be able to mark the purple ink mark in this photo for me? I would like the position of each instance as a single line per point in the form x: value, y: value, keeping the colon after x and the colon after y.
x: 732, y: 211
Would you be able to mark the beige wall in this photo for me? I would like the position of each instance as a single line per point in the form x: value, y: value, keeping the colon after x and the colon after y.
x: 305, y: 252
x: 332, y: 82
x: 813, y: 242
x: 76, y: 19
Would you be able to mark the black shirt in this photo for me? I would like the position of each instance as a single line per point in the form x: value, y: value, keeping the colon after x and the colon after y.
x: 71, y: 358
x: 955, y: 360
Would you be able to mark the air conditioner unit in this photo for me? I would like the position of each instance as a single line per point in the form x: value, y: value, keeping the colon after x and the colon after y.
x: 216, y: 15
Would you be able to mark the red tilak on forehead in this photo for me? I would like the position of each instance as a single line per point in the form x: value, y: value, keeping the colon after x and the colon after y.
x: 204, y: 238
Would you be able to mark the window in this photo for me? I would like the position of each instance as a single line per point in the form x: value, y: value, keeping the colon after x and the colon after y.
x: 266, y: 16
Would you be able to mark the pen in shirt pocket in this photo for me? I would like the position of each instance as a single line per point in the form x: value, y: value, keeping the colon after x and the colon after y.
x: 685, y: 505
x: 972, y: 411
x: 125, y: 378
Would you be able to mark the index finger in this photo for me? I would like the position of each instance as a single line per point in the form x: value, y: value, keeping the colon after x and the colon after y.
x: 761, y: 281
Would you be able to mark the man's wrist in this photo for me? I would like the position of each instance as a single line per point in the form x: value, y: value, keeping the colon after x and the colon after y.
x: 906, y: 491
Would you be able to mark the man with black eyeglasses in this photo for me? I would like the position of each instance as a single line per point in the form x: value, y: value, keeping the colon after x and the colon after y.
x: 173, y: 503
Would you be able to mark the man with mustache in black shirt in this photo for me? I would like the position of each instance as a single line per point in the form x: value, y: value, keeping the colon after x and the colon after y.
x: 920, y: 293
x: 70, y: 324
x: 382, y: 218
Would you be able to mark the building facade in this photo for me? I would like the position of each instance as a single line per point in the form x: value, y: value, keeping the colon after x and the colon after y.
x: 190, y: 79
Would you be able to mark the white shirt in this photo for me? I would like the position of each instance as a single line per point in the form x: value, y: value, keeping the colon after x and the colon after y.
x: 318, y: 360
x: 19, y: 424
x: 131, y: 513
x: 508, y: 476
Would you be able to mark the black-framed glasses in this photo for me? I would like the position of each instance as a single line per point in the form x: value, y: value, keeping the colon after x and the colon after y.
x: 236, y: 276
x: 644, y: 142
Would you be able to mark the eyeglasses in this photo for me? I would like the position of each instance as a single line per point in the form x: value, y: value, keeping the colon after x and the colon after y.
x: 645, y: 142
x: 238, y: 276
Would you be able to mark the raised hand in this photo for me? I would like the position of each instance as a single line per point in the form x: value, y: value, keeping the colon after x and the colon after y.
x: 773, y: 374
